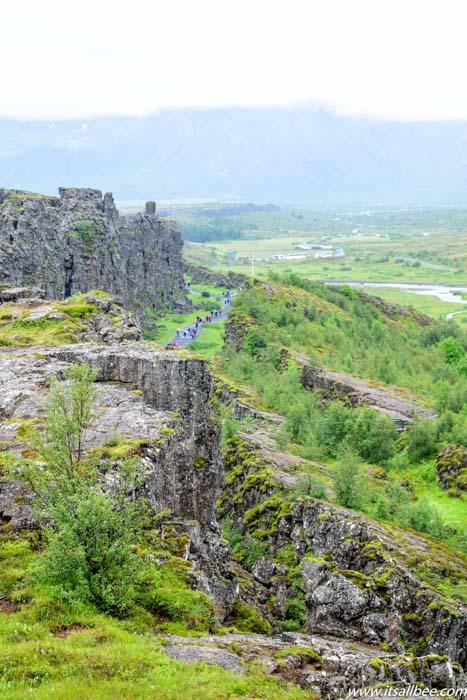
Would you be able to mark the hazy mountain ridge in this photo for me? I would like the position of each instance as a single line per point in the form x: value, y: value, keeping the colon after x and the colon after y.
x: 298, y: 155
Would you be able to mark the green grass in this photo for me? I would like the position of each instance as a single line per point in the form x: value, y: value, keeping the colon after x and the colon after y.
x: 210, y: 341
x: 371, y: 257
x: 168, y: 325
x: 423, y: 480
x: 108, y: 662
x: 335, y: 269
x: 53, y: 649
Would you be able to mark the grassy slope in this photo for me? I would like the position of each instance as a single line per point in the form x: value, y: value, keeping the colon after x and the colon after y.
x: 339, y: 340
x: 211, y: 340
x: 50, y: 649
x: 415, y: 367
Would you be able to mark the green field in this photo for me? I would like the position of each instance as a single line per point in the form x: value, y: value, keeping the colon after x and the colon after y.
x: 374, y: 244
x: 368, y: 261
x: 426, y: 304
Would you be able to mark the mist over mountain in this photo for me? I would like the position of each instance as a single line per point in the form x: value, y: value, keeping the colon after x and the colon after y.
x: 302, y: 155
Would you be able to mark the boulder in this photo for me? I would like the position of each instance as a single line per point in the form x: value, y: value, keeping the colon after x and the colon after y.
x: 451, y: 466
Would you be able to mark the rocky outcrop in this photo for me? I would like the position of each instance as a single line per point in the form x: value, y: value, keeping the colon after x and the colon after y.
x: 78, y: 242
x: 451, y: 466
x: 356, y: 392
x: 393, y: 310
x: 186, y: 475
x: 323, y: 664
x: 204, y: 275
x: 152, y: 405
x: 342, y: 573
x: 24, y: 314
x: 236, y: 330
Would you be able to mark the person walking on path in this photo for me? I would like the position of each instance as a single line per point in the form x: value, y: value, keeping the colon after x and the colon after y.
x: 185, y: 336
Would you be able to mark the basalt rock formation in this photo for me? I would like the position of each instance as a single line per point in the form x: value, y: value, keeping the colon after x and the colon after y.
x: 152, y: 405
x: 351, y: 601
x: 343, y: 574
x: 78, y: 242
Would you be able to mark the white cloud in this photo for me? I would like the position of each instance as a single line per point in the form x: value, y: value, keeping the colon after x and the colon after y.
x: 386, y: 58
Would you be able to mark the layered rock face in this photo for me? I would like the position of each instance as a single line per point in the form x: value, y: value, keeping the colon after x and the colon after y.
x: 169, y: 412
x: 356, y: 392
x: 156, y: 404
x: 189, y: 475
x: 78, y: 242
x: 352, y: 577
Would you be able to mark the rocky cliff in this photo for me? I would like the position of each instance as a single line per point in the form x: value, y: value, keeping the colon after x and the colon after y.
x: 78, y: 242
x: 351, y: 601
x: 152, y: 405
x: 336, y: 572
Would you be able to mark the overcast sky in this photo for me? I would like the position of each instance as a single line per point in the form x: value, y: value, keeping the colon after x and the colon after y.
x: 385, y: 58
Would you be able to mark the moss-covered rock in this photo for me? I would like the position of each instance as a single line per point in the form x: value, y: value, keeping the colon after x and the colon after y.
x: 451, y: 466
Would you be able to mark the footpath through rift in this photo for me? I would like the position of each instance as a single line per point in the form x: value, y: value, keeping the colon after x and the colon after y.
x: 185, y: 336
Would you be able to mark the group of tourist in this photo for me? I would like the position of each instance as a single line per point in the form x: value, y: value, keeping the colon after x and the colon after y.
x: 192, y: 331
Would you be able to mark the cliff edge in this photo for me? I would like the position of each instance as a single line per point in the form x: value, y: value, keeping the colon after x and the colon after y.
x: 78, y: 242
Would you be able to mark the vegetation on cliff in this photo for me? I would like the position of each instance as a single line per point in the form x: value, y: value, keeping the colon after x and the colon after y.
x: 86, y: 597
x: 295, y: 322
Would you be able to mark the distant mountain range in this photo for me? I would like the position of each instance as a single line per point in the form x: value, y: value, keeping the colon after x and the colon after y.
x: 303, y: 156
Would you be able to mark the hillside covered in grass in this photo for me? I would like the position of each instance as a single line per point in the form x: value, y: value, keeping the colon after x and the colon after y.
x: 176, y: 523
x: 368, y: 352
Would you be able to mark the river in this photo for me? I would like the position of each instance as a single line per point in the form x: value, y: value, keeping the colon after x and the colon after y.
x: 440, y: 291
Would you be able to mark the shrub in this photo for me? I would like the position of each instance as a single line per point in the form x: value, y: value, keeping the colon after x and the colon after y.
x: 254, y: 342
x: 421, y: 439
x: 89, y: 534
x: 335, y: 425
x: 247, y: 619
x: 422, y: 516
x: 245, y: 548
x: 347, y: 480
x: 373, y: 436
x: 452, y: 349
x: 309, y: 485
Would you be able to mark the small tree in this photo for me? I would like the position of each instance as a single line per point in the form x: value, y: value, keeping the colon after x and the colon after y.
x: 335, y: 425
x: 452, y: 349
x: 373, y: 436
x: 89, y: 532
x: 347, y: 481
x: 309, y: 485
x: 421, y: 439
